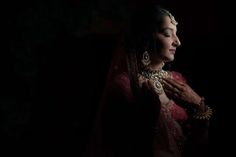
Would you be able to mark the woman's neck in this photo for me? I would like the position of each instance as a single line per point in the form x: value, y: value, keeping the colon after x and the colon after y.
x: 156, y: 66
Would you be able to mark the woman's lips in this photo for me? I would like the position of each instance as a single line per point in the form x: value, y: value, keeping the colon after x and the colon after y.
x: 172, y: 51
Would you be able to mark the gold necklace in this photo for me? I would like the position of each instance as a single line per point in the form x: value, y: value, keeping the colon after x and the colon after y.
x: 156, y: 76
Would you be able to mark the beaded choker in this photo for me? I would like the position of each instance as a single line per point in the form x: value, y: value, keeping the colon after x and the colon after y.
x: 154, y: 74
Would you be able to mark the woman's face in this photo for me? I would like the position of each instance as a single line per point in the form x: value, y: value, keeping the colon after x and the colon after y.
x: 167, y: 41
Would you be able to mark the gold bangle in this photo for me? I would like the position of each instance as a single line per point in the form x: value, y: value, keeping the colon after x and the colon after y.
x: 204, y: 112
x: 206, y: 115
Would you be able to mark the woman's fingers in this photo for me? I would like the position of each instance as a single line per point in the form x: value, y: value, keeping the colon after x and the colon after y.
x: 174, y: 85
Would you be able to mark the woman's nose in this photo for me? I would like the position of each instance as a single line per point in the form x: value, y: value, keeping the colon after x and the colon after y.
x: 177, y: 42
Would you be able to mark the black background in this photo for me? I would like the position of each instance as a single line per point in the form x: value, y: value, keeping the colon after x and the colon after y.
x: 54, y: 70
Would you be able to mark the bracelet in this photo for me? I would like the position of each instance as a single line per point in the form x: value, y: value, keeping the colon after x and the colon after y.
x: 203, y: 115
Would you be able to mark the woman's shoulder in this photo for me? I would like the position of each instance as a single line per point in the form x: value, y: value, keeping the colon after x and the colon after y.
x: 121, y: 80
x: 121, y: 84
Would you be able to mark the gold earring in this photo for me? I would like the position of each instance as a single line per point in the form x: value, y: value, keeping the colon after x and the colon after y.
x: 146, y: 59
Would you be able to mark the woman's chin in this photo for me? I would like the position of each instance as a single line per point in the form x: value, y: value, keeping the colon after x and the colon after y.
x: 169, y: 59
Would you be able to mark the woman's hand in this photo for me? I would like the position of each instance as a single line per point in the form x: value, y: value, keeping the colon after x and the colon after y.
x: 181, y: 91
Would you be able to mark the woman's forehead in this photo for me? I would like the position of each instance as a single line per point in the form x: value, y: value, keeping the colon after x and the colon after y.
x: 167, y: 23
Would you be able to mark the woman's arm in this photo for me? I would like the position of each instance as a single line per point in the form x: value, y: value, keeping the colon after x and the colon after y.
x: 199, y: 112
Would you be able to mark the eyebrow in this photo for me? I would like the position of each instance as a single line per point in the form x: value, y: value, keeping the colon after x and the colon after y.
x: 168, y: 28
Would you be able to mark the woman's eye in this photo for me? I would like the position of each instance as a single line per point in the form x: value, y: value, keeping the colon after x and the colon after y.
x: 167, y: 34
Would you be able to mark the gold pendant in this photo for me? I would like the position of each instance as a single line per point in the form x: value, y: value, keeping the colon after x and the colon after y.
x: 158, y: 87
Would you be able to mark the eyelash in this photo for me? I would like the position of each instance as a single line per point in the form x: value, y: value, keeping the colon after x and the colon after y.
x: 167, y: 34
